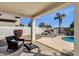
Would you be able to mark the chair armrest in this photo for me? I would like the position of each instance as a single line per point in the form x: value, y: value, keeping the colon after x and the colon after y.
x: 20, y: 39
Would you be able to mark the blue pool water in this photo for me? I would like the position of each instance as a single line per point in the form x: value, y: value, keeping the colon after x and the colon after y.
x: 68, y: 39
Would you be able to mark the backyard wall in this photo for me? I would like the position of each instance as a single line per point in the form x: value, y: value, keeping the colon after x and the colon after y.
x: 8, y: 31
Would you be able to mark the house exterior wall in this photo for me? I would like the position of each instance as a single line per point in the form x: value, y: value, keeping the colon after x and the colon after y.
x: 6, y: 27
x: 7, y: 24
x: 9, y: 17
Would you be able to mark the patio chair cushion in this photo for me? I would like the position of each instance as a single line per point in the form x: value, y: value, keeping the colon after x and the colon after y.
x: 13, y: 40
x: 20, y: 42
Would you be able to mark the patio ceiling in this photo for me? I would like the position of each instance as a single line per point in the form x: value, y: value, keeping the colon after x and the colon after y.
x: 28, y: 9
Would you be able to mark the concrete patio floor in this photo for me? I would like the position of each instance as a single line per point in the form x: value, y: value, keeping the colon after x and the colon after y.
x: 56, y: 43
x: 50, y: 47
x: 44, y: 50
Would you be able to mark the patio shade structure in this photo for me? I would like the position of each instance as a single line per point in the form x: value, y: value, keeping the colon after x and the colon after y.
x: 31, y: 10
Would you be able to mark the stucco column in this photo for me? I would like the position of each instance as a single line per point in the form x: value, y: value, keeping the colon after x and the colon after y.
x: 33, y: 30
x: 17, y: 23
x: 76, y: 28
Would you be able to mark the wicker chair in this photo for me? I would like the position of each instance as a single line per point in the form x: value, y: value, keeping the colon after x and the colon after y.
x: 13, y: 41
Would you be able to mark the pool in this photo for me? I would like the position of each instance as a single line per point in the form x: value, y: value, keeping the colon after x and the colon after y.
x: 68, y: 39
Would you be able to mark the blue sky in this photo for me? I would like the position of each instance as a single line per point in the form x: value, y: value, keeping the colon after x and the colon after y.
x: 25, y: 21
x: 49, y: 18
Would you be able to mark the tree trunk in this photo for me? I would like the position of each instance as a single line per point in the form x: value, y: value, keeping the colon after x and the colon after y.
x: 60, y: 21
x: 59, y: 29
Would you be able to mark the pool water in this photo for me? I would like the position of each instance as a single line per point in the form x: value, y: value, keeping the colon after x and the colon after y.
x: 68, y: 39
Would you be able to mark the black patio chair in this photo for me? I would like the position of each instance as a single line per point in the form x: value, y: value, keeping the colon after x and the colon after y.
x: 13, y: 43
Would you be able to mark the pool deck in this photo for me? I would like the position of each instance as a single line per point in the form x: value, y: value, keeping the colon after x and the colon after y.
x: 57, y: 43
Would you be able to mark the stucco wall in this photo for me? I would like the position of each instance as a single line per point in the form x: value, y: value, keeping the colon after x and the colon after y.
x: 7, y: 31
x: 76, y: 29
x: 7, y: 16
x: 7, y: 24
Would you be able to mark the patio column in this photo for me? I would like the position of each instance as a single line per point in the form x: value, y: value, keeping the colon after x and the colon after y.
x: 76, y: 29
x: 17, y: 23
x: 33, y: 30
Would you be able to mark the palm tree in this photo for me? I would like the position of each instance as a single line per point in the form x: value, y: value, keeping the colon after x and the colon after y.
x: 59, y: 17
x: 42, y: 25
x: 48, y: 26
x: 72, y: 28
x: 29, y: 24
x: 72, y: 25
x: 22, y: 25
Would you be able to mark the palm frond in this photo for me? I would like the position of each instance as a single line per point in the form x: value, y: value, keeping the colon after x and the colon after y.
x: 63, y: 15
x: 55, y: 18
x: 57, y: 13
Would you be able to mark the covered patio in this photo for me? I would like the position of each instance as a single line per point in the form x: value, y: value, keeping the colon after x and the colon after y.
x: 32, y: 11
